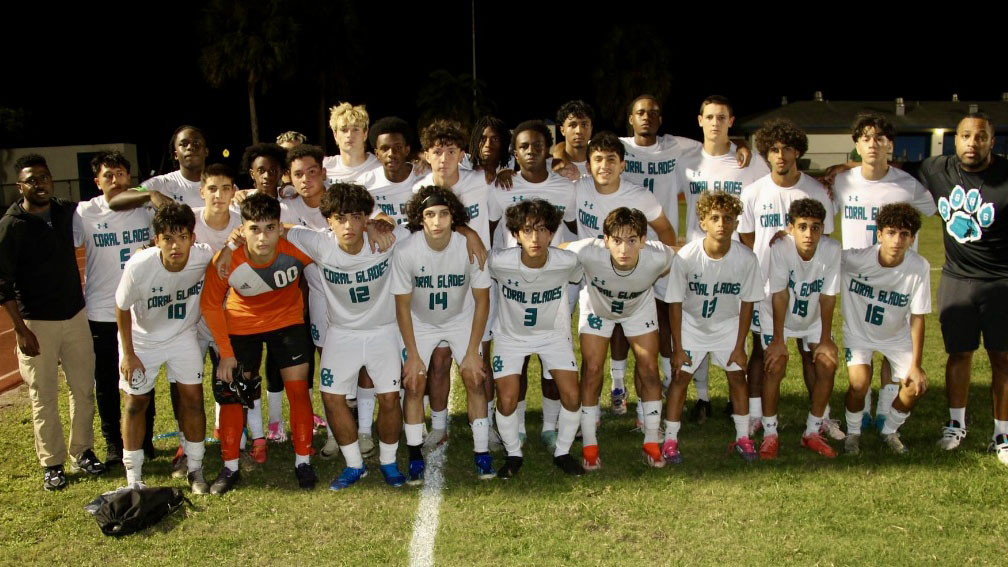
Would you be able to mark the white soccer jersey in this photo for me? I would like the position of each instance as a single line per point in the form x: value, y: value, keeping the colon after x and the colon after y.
x: 356, y: 286
x: 805, y: 280
x: 878, y: 301
x: 109, y: 239
x: 593, y: 207
x: 711, y: 292
x: 336, y: 171
x: 532, y: 302
x: 859, y: 200
x: 217, y: 239
x: 390, y: 198
x: 704, y: 172
x: 556, y: 189
x: 295, y: 211
x: 472, y: 189
x: 163, y: 304
x: 176, y: 187
x: 657, y: 169
x: 440, y: 281
x: 614, y: 294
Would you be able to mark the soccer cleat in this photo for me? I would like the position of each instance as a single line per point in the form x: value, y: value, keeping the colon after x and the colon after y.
x: 745, y: 449
x: 393, y: 477
x: 318, y: 423
x: 768, y: 448
x: 670, y: 451
x: 618, y: 399
x: 484, y: 466
x: 549, y: 439
x: 113, y: 456
x: 54, y: 478
x: 568, y: 465
x: 815, y: 442
x: 653, y: 455
x: 276, y: 432
x: 416, y: 472
x: 330, y: 450
x: 348, y: 477
x: 1000, y: 446
x: 197, y: 483
x: 435, y: 438
x: 952, y: 435
x: 180, y: 464
x: 700, y: 412
x: 89, y: 463
x: 852, y: 444
x: 895, y: 443
x: 755, y: 426
x: 366, y: 444
x: 305, y: 476
x: 831, y: 429
x: 511, y: 466
x: 225, y: 481
x: 258, y: 451
x: 590, y: 459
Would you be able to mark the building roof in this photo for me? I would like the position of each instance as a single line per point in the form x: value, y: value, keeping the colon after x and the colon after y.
x: 837, y: 116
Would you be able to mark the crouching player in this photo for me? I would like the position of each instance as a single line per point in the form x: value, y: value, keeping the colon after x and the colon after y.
x: 264, y: 306
x: 534, y: 318
x: 157, y: 308
x: 620, y: 271
x: 886, y: 294
x: 804, y: 279
x: 712, y: 290
x: 432, y: 280
x: 362, y: 327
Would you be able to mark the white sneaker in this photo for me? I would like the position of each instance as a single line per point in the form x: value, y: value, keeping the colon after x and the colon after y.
x: 434, y: 438
x: 831, y: 429
x: 952, y: 435
x: 330, y: 450
x: 366, y: 443
x: 1000, y: 446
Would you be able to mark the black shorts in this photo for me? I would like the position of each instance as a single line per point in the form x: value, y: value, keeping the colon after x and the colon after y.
x: 289, y: 346
x: 968, y: 308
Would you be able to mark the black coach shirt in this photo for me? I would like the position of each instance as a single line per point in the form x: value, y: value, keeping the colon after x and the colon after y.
x: 38, y: 262
x: 974, y: 212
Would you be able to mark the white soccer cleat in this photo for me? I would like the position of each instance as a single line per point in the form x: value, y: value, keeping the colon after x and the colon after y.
x: 330, y: 450
x: 831, y: 429
x: 952, y: 435
x: 892, y: 440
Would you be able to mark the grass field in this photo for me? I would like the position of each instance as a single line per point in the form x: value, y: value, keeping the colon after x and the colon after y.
x: 929, y: 507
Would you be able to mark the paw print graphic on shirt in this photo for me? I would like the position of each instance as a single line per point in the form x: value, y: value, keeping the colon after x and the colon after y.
x: 965, y: 214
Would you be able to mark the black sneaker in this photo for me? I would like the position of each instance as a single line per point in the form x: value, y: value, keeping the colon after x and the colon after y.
x: 113, y: 456
x: 54, y: 478
x: 569, y: 465
x: 700, y: 412
x: 197, y: 482
x: 225, y: 481
x: 90, y: 464
x: 305, y: 476
x: 510, y: 468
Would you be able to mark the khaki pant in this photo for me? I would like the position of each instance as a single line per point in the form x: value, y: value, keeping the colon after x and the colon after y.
x: 67, y: 342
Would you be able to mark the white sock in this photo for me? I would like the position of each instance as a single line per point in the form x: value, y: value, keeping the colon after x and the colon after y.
x: 387, y: 452
x: 481, y: 435
x: 365, y: 409
x: 666, y: 369
x: 886, y: 396
x: 216, y: 419
x: 1000, y: 428
x: 853, y: 422
x: 867, y: 401
x: 700, y: 380
x: 672, y: 430
x: 414, y: 433
x: 352, y: 455
x: 566, y: 430
x: 254, y: 420
x: 640, y: 413
x: 298, y: 460
x: 551, y: 413
x: 520, y: 412
x: 232, y: 464
x: 181, y: 436
x: 958, y: 414
x: 194, y: 455
x: 769, y: 425
x: 491, y: 410
x: 426, y: 403
x: 895, y: 419
x: 275, y: 402
x: 507, y: 426
x: 741, y: 425
x: 133, y: 463
x: 813, y: 424
x: 617, y: 368
x: 755, y: 408
x: 243, y: 441
x: 588, y: 426
x: 439, y: 419
x: 652, y: 418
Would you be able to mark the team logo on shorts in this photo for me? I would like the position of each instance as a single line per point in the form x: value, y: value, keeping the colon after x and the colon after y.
x: 325, y: 377
x: 314, y: 332
x: 848, y: 356
x: 594, y: 321
x: 497, y: 364
x: 965, y: 214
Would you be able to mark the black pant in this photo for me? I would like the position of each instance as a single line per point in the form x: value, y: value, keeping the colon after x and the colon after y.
x: 106, y: 349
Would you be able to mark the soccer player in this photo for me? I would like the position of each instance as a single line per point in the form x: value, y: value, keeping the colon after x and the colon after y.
x: 432, y: 279
x: 188, y: 147
x: 349, y: 126
x: 765, y: 204
x: 391, y: 185
x: 711, y: 293
x: 859, y: 193
x: 266, y: 165
x: 288, y: 140
x: 489, y: 145
x: 575, y: 118
x: 620, y: 270
x: 264, y: 305
x: 804, y: 279
x: 362, y: 327
x: 41, y: 292
x: 157, y: 309
x: 532, y: 280
x: 109, y: 239
x: 886, y: 294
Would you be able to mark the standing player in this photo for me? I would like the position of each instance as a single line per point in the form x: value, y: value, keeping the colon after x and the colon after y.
x: 349, y: 126
x: 575, y: 118
x: 489, y: 146
x: 887, y: 293
x: 711, y: 294
x: 391, y: 185
x: 432, y: 279
x: 188, y: 147
x: 620, y: 270
x: 765, y: 204
x: 266, y: 164
x: 804, y: 278
x: 532, y: 280
x: 157, y: 308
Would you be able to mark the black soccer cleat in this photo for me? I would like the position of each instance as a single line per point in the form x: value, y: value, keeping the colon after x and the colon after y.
x: 305, y: 476
x: 568, y: 465
x: 511, y: 467
x: 225, y: 481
